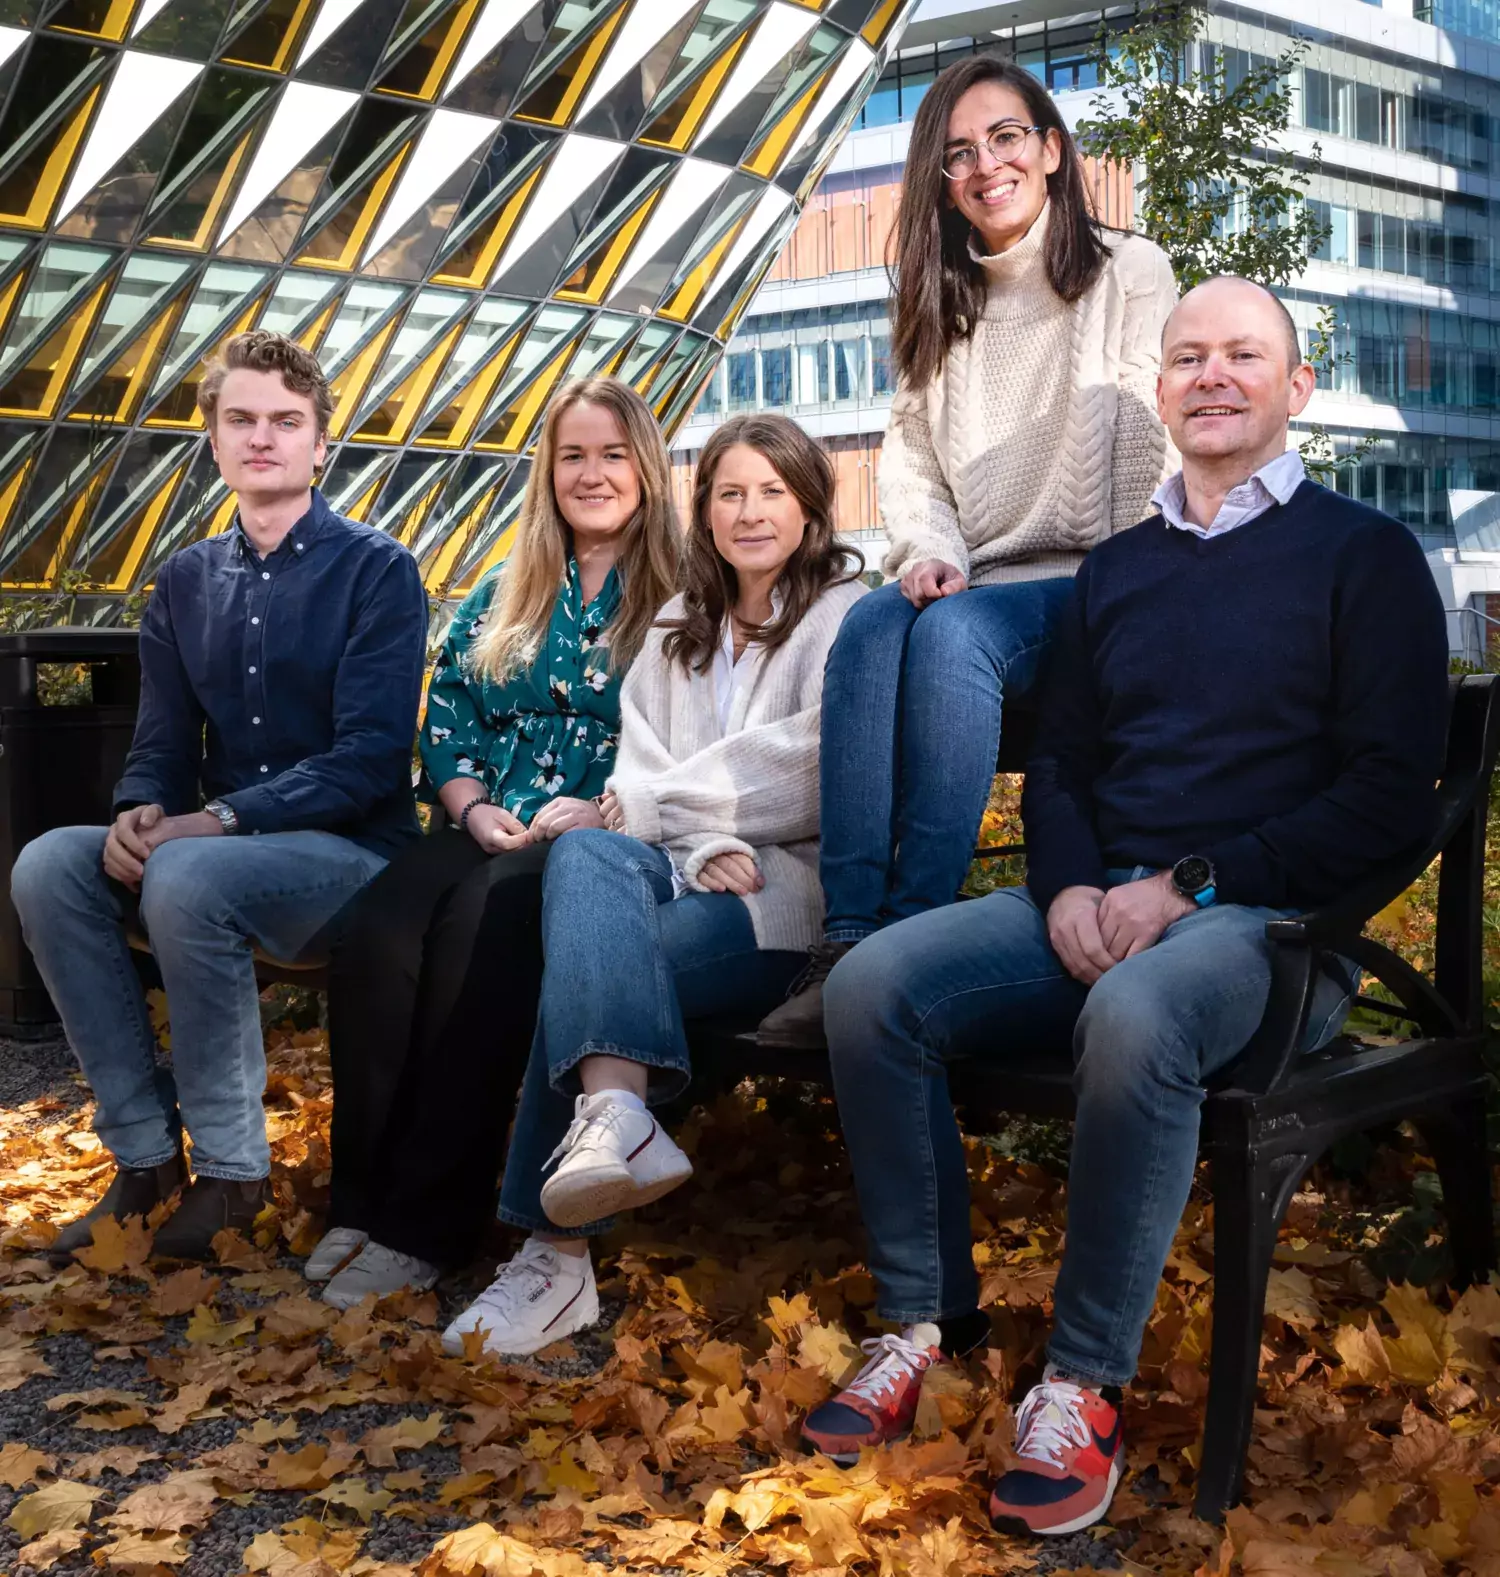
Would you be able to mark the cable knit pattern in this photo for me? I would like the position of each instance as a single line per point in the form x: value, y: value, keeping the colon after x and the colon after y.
x: 750, y: 787
x: 1039, y: 437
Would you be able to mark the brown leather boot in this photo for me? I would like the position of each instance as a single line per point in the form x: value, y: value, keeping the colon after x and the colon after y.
x: 133, y: 1191
x: 210, y: 1205
x: 798, y: 1023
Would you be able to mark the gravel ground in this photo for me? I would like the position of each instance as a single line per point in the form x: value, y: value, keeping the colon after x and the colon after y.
x: 30, y: 1069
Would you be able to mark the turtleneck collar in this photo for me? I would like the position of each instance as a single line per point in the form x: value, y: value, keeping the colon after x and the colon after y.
x: 1023, y: 267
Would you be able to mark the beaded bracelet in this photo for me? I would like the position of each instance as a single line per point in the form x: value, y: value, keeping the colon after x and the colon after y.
x: 463, y: 815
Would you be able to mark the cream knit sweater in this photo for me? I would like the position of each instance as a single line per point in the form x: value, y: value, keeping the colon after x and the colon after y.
x: 750, y: 787
x: 1039, y: 437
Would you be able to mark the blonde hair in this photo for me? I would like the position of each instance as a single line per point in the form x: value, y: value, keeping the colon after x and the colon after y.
x: 260, y: 350
x: 521, y: 610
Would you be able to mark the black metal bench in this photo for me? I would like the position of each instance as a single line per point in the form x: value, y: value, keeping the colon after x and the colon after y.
x: 1273, y: 1113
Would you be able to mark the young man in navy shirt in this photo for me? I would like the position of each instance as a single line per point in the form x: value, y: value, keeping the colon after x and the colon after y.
x: 1243, y: 715
x: 268, y: 780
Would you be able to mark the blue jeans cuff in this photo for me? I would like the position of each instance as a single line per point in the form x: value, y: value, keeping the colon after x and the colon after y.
x: 1089, y: 1370
x: 230, y: 1174
x: 849, y: 934
x: 668, y: 1077
x: 512, y: 1218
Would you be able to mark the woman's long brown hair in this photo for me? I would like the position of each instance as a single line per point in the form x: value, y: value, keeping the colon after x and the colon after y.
x: 710, y: 587
x: 521, y: 610
x: 938, y: 288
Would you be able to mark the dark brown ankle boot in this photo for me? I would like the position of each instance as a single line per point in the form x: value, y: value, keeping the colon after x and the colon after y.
x: 133, y: 1191
x: 798, y: 1023
x: 210, y: 1205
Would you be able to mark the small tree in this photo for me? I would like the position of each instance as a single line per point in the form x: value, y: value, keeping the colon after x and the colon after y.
x: 1213, y: 190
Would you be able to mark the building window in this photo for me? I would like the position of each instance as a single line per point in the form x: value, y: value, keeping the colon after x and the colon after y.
x: 776, y: 375
x: 741, y: 366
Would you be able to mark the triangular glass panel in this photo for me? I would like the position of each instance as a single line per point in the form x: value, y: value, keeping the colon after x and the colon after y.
x: 835, y: 106
x: 793, y: 101
x: 659, y: 385
x: 365, y: 308
x: 427, y: 320
x: 97, y: 18
x: 490, y: 86
x: 529, y: 378
x: 189, y: 29
x: 640, y: 56
x: 221, y: 294
x: 645, y: 353
x: 198, y: 495
x: 20, y: 13
x: 674, y: 402
x: 115, y: 392
x: 422, y: 46
x: 35, y: 533
x: 622, y: 209
x: 348, y: 56
x: 111, y: 211
x: 140, y: 490
x: 224, y: 106
x: 142, y: 287
x: 44, y: 123
x: 58, y: 279
x: 267, y: 36
x: 493, y: 320
x: 358, y: 182
x: 411, y: 483
x: 36, y: 381
x: 19, y: 441
x: 602, y: 347
x: 682, y: 100
x: 473, y: 477
x: 572, y: 53
x: 758, y: 76
x: 533, y: 261
x: 354, y: 474
x: 178, y: 407
x: 487, y: 546
x: 489, y: 210
x: 299, y: 295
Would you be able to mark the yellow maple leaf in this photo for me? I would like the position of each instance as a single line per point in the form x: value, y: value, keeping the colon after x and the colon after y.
x: 50, y: 1548
x: 1420, y: 1354
x: 407, y: 1434
x: 565, y: 1473
x: 1362, y: 1355
x: 484, y: 1549
x: 142, y: 1552
x: 185, y: 1500
x: 64, y: 1504
x: 270, y: 1431
x: 356, y: 1496
x: 829, y: 1350
x: 20, y: 1464
x: 184, y: 1290
x: 206, y: 1329
x: 116, y: 1246
x: 1290, y: 1297
x: 787, y: 1316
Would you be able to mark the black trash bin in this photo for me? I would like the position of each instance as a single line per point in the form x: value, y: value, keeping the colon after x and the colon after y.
x: 58, y: 768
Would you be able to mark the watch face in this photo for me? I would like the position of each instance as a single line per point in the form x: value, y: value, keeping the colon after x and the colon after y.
x: 1192, y: 874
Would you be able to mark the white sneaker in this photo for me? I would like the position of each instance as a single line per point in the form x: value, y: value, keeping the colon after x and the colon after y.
x: 379, y: 1270
x: 541, y: 1296
x: 611, y: 1158
x: 335, y: 1247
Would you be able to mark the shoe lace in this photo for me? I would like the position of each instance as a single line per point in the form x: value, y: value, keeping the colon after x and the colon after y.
x: 892, y: 1358
x: 516, y: 1279
x: 1050, y: 1420
x: 821, y: 958
x: 599, y: 1120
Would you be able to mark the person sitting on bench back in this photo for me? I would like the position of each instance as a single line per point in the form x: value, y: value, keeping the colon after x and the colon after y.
x: 1244, y: 715
x: 281, y: 665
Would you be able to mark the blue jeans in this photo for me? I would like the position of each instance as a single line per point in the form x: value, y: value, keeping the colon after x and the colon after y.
x: 626, y: 964
x: 980, y: 980
x: 911, y: 723
x: 205, y: 903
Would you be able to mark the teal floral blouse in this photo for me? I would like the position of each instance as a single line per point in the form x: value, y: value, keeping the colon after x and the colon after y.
x: 549, y: 730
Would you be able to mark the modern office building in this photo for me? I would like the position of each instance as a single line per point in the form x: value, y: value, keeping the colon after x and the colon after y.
x: 1406, y: 114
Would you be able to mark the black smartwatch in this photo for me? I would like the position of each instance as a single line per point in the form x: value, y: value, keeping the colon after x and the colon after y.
x: 1194, y: 878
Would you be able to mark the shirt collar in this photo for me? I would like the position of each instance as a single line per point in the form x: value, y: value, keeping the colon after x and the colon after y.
x: 1274, y: 483
x: 298, y: 539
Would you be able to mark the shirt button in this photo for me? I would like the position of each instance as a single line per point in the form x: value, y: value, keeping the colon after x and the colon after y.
x: 252, y: 667
x: 265, y: 769
x: 298, y: 546
x: 254, y: 719
x: 254, y: 620
x: 265, y: 574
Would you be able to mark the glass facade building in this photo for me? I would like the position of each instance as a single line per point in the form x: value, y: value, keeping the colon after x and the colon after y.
x: 1407, y: 120
x: 456, y: 204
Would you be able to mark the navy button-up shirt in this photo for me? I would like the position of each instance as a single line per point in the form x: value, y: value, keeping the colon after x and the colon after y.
x: 286, y: 686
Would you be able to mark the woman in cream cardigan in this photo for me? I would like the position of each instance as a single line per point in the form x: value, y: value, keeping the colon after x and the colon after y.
x: 1023, y: 431
x: 703, y: 895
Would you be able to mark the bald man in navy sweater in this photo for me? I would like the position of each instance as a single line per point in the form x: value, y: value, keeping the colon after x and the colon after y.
x: 1244, y: 715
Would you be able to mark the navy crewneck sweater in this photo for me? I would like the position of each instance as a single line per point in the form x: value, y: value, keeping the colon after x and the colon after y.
x: 1274, y: 698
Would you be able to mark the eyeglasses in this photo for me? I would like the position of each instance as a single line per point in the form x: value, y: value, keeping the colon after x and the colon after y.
x: 1005, y: 144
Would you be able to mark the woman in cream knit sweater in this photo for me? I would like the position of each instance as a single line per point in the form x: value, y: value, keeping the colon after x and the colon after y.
x: 704, y: 895
x: 1023, y: 431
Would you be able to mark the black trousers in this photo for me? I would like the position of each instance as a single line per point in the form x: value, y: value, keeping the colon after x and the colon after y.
x: 432, y: 1001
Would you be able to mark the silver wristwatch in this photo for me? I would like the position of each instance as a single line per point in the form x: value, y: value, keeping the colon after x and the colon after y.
x: 227, y: 818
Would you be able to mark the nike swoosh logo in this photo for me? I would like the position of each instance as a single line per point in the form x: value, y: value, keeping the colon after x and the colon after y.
x: 1110, y: 1443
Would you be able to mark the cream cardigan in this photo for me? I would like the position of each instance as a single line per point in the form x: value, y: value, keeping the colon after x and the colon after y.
x: 1039, y: 437
x: 750, y: 787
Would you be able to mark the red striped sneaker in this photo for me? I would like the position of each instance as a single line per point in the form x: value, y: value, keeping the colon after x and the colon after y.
x: 613, y: 1157
x: 878, y: 1405
x: 1073, y: 1449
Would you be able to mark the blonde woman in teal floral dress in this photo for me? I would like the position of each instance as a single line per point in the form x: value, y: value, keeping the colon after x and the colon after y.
x: 433, y: 983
